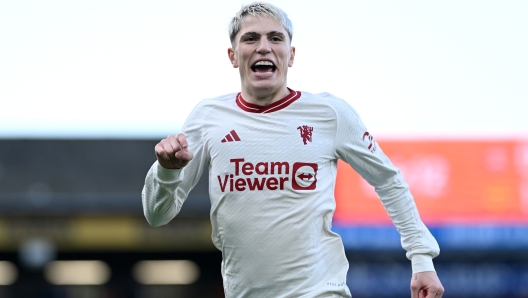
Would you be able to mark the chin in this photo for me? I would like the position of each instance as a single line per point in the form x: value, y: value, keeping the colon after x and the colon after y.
x: 265, y: 86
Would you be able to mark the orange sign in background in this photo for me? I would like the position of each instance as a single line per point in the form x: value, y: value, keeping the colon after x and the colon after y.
x: 452, y: 182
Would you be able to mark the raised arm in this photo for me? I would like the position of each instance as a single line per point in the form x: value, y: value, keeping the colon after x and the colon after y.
x: 159, y: 196
x: 179, y: 165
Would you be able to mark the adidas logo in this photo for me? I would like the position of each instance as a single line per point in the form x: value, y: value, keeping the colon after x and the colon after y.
x: 231, y: 137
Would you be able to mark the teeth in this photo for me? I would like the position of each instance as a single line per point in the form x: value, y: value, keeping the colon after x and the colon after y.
x: 264, y: 63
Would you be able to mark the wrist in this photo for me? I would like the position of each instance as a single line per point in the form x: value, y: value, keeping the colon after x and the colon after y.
x: 167, y: 175
x: 422, y: 263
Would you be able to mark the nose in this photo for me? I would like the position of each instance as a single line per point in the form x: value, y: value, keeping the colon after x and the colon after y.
x: 263, y: 46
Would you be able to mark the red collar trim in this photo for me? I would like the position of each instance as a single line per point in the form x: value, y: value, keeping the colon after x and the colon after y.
x: 278, y: 105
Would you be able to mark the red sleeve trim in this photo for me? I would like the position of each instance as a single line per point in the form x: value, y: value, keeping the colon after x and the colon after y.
x: 276, y: 106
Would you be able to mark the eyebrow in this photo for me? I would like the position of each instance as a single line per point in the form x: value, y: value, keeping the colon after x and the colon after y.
x: 267, y: 34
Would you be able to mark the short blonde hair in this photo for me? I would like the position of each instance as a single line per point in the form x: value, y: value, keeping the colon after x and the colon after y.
x: 259, y: 9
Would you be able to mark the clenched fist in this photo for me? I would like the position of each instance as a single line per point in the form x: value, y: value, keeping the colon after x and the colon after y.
x: 172, y: 152
x: 426, y: 285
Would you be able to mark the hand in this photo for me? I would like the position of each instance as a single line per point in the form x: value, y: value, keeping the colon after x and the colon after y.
x: 426, y: 285
x: 172, y: 152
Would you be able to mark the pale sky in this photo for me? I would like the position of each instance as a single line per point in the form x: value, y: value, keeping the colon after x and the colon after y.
x: 135, y: 69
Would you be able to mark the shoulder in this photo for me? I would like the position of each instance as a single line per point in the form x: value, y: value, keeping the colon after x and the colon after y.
x: 200, y: 115
x: 338, y: 105
x: 323, y: 98
x: 218, y: 101
x: 207, y: 105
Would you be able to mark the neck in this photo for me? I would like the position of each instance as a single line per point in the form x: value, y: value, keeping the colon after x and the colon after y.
x: 264, y: 98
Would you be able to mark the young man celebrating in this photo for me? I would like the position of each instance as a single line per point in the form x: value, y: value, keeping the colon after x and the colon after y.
x: 272, y: 155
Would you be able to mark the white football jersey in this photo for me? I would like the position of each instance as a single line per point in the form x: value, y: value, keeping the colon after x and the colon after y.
x: 272, y: 172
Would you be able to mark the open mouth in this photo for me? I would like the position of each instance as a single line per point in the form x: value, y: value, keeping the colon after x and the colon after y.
x: 263, y: 67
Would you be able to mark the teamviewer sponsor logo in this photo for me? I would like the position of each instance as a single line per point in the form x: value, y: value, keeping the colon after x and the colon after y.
x: 249, y: 176
x: 304, y: 176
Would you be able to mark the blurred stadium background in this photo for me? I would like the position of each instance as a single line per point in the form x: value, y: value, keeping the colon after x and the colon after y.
x: 79, y: 200
x: 441, y: 85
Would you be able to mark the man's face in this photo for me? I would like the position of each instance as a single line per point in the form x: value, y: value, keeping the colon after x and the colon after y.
x: 262, y: 52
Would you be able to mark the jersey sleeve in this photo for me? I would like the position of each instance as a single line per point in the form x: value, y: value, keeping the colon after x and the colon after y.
x: 166, y: 190
x: 357, y: 147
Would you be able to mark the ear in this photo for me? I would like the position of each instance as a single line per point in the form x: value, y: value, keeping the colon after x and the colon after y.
x: 292, y: 56
x: 232, y: 57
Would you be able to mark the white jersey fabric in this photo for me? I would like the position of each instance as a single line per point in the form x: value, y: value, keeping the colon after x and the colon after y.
x: 272, y: 173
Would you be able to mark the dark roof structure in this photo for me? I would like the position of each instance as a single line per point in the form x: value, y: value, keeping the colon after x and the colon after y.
x: 81, y: 177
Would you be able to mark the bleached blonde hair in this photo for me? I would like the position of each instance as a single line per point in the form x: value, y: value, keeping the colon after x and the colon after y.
x: 258, y: 9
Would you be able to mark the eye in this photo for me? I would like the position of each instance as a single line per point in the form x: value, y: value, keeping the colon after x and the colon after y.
x: 276, y: 39
x: 249, y: 39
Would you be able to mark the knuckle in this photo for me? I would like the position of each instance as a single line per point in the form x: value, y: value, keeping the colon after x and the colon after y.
x: 181, y: 137
x: 158, y: 149
x: 162, y: 143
